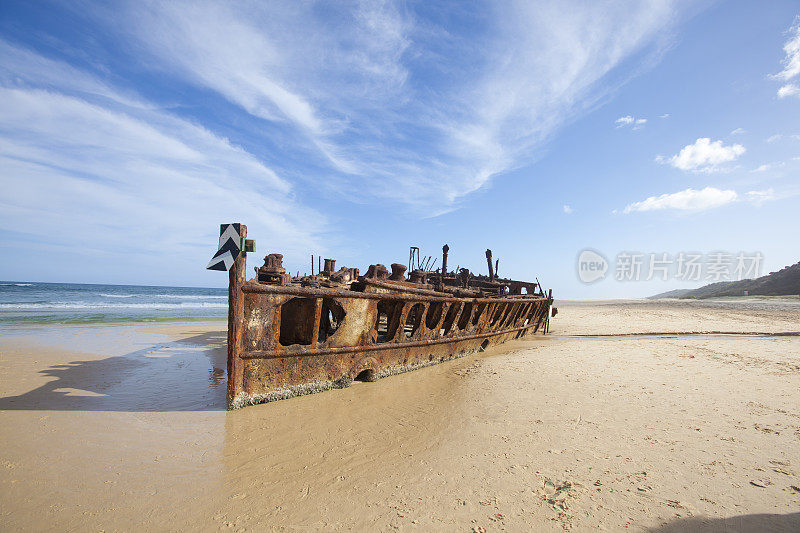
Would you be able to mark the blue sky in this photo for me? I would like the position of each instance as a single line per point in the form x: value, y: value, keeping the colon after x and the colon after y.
x: 130, y: 130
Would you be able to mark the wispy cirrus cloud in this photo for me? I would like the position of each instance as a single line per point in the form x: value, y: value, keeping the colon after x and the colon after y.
x: 769, y: 166
x: 395, y: 105
x: 102, y: 171
x: 759, y: 197
x: 698, y: 200
x: 21, y: 67
x: 704, y: 156
x: 791, y: 63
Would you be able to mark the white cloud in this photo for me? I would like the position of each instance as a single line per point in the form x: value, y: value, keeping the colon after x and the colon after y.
x: 344, y: 88
x: 698, y: 200
x: 629, y: 120
x: 768, y: 166
x: 665, y: 115
x: 759, y: 197
x: 567, y: 209
x: 704, y: 156
x: 738, y: 131
x: 686, y: 200
x: 791, y: 63
x: 790, y: 89
x: 624, y: 121
x: 773, y: 138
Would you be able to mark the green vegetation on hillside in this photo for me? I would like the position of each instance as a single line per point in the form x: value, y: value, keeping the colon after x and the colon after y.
x: 785, y: 282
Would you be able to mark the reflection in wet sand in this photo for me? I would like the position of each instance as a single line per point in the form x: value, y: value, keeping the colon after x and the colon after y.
x: 167, y: 376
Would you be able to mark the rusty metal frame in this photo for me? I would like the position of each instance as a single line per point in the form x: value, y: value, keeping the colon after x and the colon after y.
x: 261, y: 368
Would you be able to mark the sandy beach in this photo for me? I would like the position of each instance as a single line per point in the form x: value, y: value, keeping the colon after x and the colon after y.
x: 596, y: 426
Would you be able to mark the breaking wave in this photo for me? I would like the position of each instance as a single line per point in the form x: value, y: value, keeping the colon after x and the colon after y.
x: 173, y: 296
x: 190, y: 296
x: 82, y: 305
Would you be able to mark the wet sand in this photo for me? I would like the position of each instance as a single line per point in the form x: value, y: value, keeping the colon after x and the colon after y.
x: 121, y: 428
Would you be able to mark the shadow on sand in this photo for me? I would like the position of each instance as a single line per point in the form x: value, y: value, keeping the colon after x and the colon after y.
x: 185, y: 375
x: 734, y: 524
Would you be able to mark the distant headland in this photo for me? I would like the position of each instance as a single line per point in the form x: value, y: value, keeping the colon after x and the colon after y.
x: 785, y: 282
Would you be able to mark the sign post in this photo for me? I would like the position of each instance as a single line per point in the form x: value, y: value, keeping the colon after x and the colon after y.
x: 232, y: 256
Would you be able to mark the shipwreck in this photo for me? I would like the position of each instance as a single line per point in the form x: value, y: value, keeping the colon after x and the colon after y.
x: 294, y: 335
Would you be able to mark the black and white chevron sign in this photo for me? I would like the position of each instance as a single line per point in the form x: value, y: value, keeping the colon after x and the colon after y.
x: 230, y: 245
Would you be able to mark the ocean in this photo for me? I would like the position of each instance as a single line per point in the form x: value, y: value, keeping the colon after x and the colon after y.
x: 75, y: 303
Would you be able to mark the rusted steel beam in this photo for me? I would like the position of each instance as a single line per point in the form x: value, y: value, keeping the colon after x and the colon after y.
x: 298, y: 352
x: 414, y: 294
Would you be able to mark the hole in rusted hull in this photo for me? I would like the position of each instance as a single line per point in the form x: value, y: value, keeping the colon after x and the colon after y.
x: 414, y: 319
x: 512, y: 321
x: 330, y: 318
x: 450, y: 317
x: 297, y: 321
x: 478, y: 312
x: 465, y: 316
x: 506, y: 312
x: 388, y: 319
x: 434, y: 315
x: 366, y: 375
x: 498, y: 311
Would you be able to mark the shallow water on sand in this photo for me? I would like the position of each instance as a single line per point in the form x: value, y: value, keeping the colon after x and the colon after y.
x: 137, y: 371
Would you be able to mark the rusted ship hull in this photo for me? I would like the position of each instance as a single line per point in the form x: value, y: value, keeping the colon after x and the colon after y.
x: 294, y: 336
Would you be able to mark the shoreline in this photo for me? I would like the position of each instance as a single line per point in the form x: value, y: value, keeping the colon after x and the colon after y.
x: 103, y: 323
